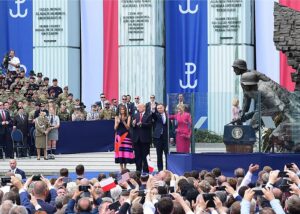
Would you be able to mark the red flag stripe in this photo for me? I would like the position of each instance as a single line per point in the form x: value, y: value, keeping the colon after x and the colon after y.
x: 111, y: 54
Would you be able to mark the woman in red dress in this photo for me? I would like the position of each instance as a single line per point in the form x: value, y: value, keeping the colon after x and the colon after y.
x: 183, y: 131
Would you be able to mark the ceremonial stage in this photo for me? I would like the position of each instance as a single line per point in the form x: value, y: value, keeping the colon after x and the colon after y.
x: 227, y: 162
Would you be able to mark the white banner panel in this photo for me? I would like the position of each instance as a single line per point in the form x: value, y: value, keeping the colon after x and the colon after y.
x: 141, y: 22
x: 267, y: 57
x: 91, y: 50
x: 223, y: 84
x: 56, y: 23
x: 142, y: 72
x: 230, y: 22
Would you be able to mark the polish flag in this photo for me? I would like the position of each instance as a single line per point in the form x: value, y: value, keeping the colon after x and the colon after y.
x: 150, y: 164
x: 99, y: 49
x: 108, y: 184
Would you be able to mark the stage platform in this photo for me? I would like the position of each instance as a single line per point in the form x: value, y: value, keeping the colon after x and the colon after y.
x: 227, y: 162
x: 94, y: 162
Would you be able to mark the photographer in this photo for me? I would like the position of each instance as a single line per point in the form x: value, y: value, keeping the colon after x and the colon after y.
x: 13, y: 62
x: 41, y: 188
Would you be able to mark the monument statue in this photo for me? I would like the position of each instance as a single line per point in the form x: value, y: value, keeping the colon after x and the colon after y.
x: 275, y: 101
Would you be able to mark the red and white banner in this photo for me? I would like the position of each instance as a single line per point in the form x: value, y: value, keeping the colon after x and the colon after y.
x: 107, y: 184
x: 151, y: 166
x: 99, y: 49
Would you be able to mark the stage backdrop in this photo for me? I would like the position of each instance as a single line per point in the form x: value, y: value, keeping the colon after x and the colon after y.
x: 186, y: 51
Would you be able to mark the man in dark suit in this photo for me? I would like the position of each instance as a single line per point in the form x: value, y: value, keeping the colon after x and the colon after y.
x: 141, y: 123
x: 41, y: 189
x: 102, y: 100
x: 151, y: 105
x: 129, y: 106
x: 21, y: 122
x: 15, y: 170
x: 160, y: 134
x: 5, y: 124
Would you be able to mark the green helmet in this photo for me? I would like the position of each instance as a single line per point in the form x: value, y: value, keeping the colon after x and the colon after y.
x: 239, y: 63
x: 249, y: 78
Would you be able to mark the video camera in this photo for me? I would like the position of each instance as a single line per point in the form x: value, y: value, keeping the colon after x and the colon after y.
x: 5, y: 61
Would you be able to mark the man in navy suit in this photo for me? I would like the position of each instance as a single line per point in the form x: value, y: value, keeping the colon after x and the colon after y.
x: 5, y: 125
x: 40, y: 193
x: 15, y: 170
x: 160, y: 134
x: 141, y: 123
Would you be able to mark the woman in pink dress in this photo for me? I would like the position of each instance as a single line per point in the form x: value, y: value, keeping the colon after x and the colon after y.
x: 183, y: 131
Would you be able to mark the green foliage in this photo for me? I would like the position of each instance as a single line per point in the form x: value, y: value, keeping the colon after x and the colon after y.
x: 206, y: 136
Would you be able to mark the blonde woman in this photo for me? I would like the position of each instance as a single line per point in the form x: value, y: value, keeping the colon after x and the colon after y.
x: 53, y: 132
x: 183, y: 131
x: 235, y: 109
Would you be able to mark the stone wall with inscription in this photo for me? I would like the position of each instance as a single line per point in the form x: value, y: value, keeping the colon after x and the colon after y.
x: 141, y: 22
x: 56, y: 41
x: 141, y: 48
x: 230, y: 36
x: 230, y: 21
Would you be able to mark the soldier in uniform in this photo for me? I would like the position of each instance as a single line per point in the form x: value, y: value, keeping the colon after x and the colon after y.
x: 2, y: 92
x: 107, y: 113
x: 22, y: 76
x: 46, y: 83
x: 70, y: 103
x: 17, y: 95
x: 25, y: 87
x: 63, y: 113
x: 41, y: 130
x: 93, y: 114
x: 15, y: 83
x: 63, y: 96
x: 82, y: 109
x: 39, y: 80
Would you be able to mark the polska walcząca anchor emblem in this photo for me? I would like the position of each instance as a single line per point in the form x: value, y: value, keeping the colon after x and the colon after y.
x: 188, y: 8
x: 18, y: 14
x: 191, y: 68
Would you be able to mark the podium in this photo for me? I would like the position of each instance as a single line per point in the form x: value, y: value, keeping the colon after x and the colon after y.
x: 239, y: 138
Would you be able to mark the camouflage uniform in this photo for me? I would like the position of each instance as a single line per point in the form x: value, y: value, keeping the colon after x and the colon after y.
x: 107, y: 114
x: 64, y: 116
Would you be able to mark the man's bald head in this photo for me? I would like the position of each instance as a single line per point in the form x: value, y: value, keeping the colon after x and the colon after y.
x: 84, y: 205
x: 40, y: 190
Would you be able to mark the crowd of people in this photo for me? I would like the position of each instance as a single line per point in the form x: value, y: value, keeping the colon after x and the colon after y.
x: 260, y: 190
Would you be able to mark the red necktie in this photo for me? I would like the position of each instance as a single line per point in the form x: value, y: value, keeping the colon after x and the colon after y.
x: 141, y: 115
x: 3, y: 116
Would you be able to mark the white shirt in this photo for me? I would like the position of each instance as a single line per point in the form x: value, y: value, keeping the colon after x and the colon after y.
x: 163, y: 116
x: 55, y: 120
x: 15, y: 60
